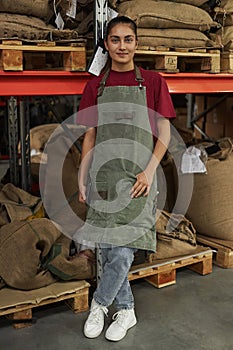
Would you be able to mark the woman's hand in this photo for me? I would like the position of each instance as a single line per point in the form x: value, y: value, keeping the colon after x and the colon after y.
x: 142, y: 185
x: 82, y: 193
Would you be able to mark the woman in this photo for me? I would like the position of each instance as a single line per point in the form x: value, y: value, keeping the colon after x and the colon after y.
x: 121, y: 155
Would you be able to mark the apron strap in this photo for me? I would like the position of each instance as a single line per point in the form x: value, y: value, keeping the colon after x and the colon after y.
x: 138, y: 78
x: 103, y: 83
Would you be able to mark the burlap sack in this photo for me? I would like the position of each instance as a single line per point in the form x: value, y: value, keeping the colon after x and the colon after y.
x: 34, y: 254
x: 166, y: 14
x: 39, y: 136
x: 66, y: 268
x: 31, y: 28
x: 211, y: 206
x: 227, y: 5
x: 36, y: 8
x: 16, y: 204
x: 64, y: 207
x: 173, y: 38
x: 227, y: 37
x: 190, y: 2
x: 22, y: 246
x: 115, y: 3
x: 176, y: 236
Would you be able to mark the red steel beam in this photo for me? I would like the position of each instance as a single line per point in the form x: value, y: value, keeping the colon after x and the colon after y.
x: 32, y: 83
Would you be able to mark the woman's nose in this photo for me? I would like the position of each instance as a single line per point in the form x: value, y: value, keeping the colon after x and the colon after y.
x: 122, y: 44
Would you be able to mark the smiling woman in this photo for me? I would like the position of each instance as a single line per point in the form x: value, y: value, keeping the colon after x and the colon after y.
x: 121, y: 151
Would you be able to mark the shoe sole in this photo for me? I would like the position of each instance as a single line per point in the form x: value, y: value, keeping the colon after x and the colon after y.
x: 117, y: 339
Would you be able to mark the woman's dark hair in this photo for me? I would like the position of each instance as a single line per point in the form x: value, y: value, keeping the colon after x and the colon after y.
x: 121, y: 19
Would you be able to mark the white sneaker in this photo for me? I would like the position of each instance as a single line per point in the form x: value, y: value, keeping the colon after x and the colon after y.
x: 123, y: 320
x: 95, y: 321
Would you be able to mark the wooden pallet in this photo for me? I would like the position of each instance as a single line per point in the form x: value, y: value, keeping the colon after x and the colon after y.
x: 161, y: 273
x: 17, y: 305
x: 223, y: 255
x: 226, y: 62
x: 16, y: 55
x: 180, y: 60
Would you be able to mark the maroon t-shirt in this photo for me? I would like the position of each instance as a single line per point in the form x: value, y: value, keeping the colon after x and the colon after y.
x: 158, y: 97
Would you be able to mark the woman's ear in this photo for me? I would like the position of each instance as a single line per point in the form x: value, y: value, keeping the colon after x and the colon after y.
x: 106, y: 45
x: 136, y: 44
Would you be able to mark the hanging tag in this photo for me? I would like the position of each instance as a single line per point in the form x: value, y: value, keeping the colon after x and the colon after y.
x: 72, y: 10
x: 59, y: 21
x: 99, y: 59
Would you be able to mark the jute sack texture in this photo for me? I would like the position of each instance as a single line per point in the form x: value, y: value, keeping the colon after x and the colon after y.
x: 17, y: 204
x: 211, y: 205
x: 37, y: 8
x: 166, y: 14
x: 31, y: 28
x: 65, y: 207
x: 176, y: 236
x: 227, y: 37
x: 173, y: 38
x: 115, y: 3
x: 35, y: 253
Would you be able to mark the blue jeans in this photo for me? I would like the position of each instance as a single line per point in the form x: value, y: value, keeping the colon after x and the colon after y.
x: 114, y: 285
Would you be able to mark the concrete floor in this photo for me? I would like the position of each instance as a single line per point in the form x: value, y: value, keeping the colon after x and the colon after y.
x: 194, y: 314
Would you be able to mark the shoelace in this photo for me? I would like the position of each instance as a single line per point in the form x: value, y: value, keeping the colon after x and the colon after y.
x: 119, y: 317
x: 96, y: 313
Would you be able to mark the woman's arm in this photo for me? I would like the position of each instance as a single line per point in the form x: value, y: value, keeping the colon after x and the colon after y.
x: 145, y: 178
x: 86, y: 158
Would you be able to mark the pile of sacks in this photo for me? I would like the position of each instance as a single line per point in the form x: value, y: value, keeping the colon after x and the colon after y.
x: 46, y: 19
x: 172, y: 24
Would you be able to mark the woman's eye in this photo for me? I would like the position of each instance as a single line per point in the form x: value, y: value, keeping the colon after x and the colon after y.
x: 114, y: 41
x: 129, y: 40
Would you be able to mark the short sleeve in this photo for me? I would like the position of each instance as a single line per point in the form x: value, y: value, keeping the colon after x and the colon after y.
x: 87, y: 114
x: 163, y: 102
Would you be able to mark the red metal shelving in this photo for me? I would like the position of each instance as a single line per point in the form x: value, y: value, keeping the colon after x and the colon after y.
x: 32, y: 83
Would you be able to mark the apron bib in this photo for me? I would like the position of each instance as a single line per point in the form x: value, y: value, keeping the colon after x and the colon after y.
x: 123, y: 148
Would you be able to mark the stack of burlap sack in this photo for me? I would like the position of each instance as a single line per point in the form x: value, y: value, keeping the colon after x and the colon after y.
x: 34, y: 252
x: 45, y: 19
x: 172, y: 24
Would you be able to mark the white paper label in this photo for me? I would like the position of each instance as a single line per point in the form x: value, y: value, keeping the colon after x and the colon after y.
x: 72, y: 10
x: 98, y: 62
x: 59, y: 21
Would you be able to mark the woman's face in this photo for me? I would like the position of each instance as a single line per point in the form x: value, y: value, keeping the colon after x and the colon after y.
x: 121, y: 44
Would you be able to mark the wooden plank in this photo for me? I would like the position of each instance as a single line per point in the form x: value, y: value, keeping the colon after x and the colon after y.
x: 77, y: 301
x: 11, y: 60
x: 163, y: 273
x: 74, y: 61
x: 223, y: 255
x: 23, y: 317
x: 16, y: 57
x: 181, y: 60
x: 162, y: 279
x: 226, y: 62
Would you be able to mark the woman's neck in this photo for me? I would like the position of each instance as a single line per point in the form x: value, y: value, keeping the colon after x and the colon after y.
x: 122, y: 68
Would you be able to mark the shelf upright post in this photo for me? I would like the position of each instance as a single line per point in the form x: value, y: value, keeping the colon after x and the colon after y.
x: 24, y: 123
x: 13, y: 139
x: 100, y: 20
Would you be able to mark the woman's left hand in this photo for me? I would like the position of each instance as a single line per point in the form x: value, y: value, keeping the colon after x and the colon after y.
x: 142, y: 185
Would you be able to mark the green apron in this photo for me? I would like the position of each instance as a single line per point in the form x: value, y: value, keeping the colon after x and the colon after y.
x: 123, y: 148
